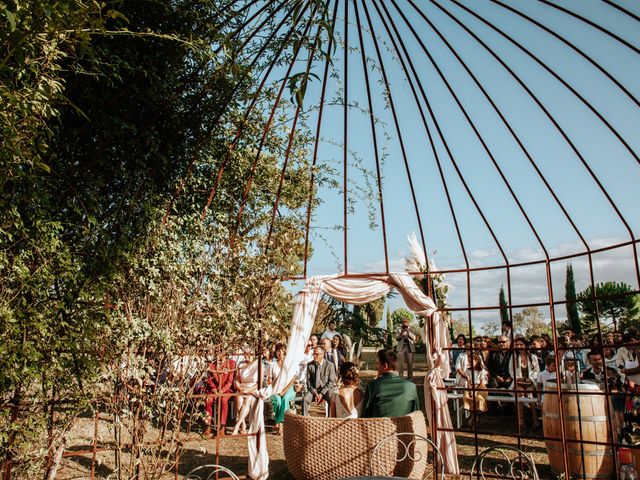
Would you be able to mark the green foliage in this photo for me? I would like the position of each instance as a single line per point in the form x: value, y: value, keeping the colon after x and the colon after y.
x: 504, y: 310
x: 573, y: 317
x: 491, y: 329
x: 399, y: 314
x: 529, y: 322
x: 461, y: 326
x: 374, y: 311
x: 104, y: 109
x: 616, y: 305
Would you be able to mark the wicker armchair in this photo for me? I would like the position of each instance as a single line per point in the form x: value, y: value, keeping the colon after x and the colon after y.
x: 318, y: 448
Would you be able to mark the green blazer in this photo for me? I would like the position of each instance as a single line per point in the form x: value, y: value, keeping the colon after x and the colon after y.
x: 390, y: 396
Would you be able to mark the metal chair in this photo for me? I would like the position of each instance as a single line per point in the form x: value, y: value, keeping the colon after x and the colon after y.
x: 211, y: 471
x: 520, y: 467
x: 407, y: 457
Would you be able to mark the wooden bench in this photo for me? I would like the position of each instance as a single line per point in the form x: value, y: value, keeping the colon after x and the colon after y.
x: 457, y: 399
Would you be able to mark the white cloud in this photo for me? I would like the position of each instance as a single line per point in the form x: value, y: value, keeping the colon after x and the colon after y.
x: 482, y: 254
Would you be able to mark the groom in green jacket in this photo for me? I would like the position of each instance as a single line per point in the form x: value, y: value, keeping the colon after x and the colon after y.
x: 389, y: 395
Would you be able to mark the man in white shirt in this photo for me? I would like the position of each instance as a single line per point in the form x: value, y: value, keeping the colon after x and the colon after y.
x: 330, y: 332
x: 596, y: 371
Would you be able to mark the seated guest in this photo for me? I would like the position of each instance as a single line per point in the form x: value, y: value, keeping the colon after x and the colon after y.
x: 608, y: 339
x: 480, y: 346
x: 535, y: 346
x: 331, y: 355
x: 337, y: 346
x: 220, y: 377
x: 609, y: 357
x: 569, y: 370
x: 280, y: 401
x: 565, y: 351
x: 462, y: 362
x: 526, y: 373
x: 475, y: 400
x: 617, y: 339
x: 458, y: 349
x: 596, y: 372
x: 630, y: 368
x: 389, y: 395
x: 507, y: 328
x: 578, y: 352
x: 246, y: 382
x: 498, y: 365
x: 347, y: 402
x: 321, y: 380
x: 265, y: 358
x: 625, y: 355
x: 307, y: 357
x: 549, y: 373
x: 546, y: 344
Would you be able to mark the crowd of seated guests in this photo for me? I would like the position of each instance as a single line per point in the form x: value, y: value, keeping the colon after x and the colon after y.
x: 233, y: 378
x: 494, y: 365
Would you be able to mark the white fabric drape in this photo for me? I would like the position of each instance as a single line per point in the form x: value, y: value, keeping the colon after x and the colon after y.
x: 358, y: 291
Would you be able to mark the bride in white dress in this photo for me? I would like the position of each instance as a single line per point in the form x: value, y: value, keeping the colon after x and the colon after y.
x: 347, y: 401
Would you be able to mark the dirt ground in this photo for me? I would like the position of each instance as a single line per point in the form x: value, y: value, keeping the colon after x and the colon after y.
x: 494, y: 428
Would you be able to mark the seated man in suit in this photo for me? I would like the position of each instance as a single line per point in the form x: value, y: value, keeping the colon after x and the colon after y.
x: 498, y: 365
x: 321, y: 380
x: 389, y: 395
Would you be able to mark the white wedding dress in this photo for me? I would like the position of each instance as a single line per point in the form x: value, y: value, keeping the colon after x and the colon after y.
x: 343, y: 412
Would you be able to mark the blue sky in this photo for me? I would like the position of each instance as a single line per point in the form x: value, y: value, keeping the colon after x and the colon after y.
x: 611, y: 163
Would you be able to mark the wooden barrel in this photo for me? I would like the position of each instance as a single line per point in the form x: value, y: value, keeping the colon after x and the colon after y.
x: 585, y: 418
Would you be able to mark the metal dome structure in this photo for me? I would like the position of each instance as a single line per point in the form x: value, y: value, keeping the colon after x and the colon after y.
x: 503, y: 133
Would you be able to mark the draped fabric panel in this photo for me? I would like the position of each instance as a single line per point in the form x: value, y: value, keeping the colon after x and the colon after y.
x: 358, y: 291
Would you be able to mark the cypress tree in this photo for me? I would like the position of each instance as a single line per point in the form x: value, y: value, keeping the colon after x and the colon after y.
x: 573, y: 317
x: 504, y: 311
x: 389, y: 329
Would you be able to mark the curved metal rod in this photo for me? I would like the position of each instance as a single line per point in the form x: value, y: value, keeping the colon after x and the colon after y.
x: 398, y: 130
x: 557, y: 126
x: 345, y: 137
x: 573, y: 47
x: 441, y: 136
x: 398, y: 437
x: 592, y: 24
x: 230, y: 97
x: 216, y: 470
x: 267, y: 127
x: 511, y: 467
x: 623, y: 10
x: 317, y: 139
x: 250, y: 108
x: 423, y: 116
x: 289, y: 145
x: 566, y: 84
x: 373, y: 135
x: 485, y: 146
